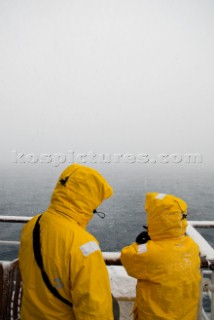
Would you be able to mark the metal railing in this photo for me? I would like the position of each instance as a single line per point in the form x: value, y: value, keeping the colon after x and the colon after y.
x: 113, y: 259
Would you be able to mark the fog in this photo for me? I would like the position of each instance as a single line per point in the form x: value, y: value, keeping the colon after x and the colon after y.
x: 127, y: 77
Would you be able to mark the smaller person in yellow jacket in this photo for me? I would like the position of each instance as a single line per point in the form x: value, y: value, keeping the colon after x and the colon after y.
x: 167, y: 266
x: 71, y: 257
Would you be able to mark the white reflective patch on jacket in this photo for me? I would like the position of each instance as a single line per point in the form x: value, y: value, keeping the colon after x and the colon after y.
x: 160, y: 196
x: 89, y: 248
x: 58, y: 283
x: 142, y: 248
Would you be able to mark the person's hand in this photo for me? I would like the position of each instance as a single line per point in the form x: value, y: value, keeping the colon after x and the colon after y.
x: 143, y: 237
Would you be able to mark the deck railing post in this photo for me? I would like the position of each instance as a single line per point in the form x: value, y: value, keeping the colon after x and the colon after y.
x: 212, y: 295
x: 200, y: 305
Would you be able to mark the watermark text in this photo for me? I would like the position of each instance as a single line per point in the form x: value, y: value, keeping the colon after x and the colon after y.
x: 70, y: 156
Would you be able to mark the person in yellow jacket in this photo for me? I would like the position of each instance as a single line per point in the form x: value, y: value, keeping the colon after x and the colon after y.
x: 167, y: 265
x: 71, y: 257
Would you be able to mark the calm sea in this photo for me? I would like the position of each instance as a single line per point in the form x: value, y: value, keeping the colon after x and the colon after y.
x: 26, y: 190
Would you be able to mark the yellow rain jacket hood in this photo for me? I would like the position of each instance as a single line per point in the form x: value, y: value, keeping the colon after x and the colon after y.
x: 78, y: 192
x: 166, y: 216
x: 71, y: 256
x: 167, y: 266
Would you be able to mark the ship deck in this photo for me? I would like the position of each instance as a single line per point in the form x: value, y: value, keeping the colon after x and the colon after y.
x: 122, y: 285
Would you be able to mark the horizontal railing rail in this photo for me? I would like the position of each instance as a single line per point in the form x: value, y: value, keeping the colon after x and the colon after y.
x: 24, y: 219
x: 15, y: 219
x: 207, y: 259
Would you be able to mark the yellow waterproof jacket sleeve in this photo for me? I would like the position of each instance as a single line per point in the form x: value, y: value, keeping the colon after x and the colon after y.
x: 90, y: 287
x: 134, y: 261
x: 71, y: 256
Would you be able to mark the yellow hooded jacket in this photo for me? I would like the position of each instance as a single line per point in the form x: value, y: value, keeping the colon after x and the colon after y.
x: 167, y: 266
x: 71, y: 256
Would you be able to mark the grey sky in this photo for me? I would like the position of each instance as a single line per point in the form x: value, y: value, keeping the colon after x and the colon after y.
x: 107, y: 76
